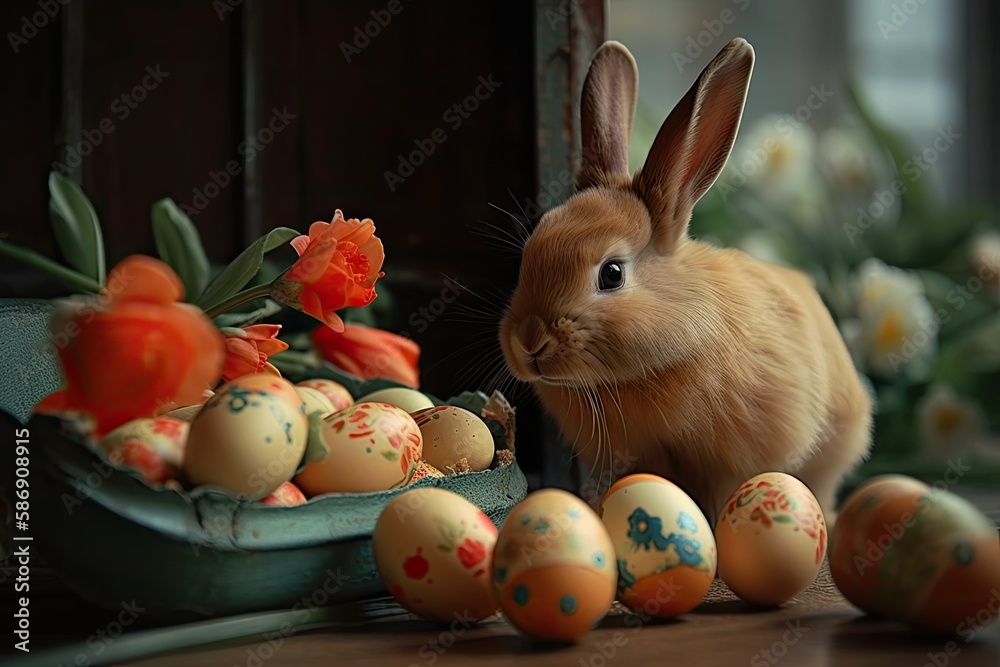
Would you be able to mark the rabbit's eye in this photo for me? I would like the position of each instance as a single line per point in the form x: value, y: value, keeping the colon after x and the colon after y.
x: 612, y: 276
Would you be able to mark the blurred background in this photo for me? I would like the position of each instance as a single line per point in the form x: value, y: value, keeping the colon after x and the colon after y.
x: 866, y: 158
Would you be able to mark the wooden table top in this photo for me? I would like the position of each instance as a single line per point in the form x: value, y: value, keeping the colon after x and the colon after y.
x: 818, y: 627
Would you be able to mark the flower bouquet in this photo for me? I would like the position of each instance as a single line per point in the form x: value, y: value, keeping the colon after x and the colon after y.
x: 157, y: 350
x: 913, y: 285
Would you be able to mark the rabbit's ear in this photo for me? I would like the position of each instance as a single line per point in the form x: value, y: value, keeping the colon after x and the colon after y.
x: 607, y: 111
x: 694, y: 143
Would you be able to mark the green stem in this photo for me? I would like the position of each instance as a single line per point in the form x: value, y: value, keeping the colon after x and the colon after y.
x: 68, y: 277
x: 295, y: 357
x: 238, y: 299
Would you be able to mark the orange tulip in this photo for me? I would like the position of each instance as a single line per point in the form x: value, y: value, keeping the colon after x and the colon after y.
x: 338, y: 265
x: 133, y: 351
x: 247, y: 350
x: 369, y: 353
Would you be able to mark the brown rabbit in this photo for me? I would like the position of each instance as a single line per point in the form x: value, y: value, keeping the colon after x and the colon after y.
x: 700, y: 364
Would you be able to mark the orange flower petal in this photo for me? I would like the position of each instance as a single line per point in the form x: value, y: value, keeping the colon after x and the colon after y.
x: 300, y: 243
x: 261, y: 332
x: 145, y: 278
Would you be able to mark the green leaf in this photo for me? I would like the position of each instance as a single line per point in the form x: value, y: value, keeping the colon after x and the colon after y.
x: 316, y: 447
x: 179, y: 245
x: 72, y: 279
x: 76, y: 228
x: 971, y: 353
x: 918, y: 197
x: 269, y: 308
x: 244, y: 268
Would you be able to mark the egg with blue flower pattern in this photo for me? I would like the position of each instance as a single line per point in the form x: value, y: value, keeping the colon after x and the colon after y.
x: 664, y: 547
x: 248, y: 438
x: 553, y: 567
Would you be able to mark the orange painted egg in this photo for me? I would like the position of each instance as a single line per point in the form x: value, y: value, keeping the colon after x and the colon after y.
x: 663, y: 543
x: 553, y: 567
x: 920, y: 555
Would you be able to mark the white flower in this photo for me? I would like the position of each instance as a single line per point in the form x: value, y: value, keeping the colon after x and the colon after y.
x: 949, y: 425
x: 898, y: 326
x: 984, y: 255
x: 847, y: 155
x: 774, y: 157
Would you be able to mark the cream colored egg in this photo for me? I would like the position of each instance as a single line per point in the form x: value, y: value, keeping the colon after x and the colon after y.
x: 664, y: 545
x: 434, y: 549
x: 270, y: 384
x: 152, y: 446
x: 452, y: 434
x: 407, y: 399
x: 554, y: 568
x: 249, y: 438
x: 316, y: 402
x: 336, y: 392
x: 372, y: 447
x: 771, y: 537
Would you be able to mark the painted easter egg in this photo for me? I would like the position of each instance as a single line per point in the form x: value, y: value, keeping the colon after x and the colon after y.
x: 452, y: 434
x: 920, y: 555
x: 152, y: 446
x: 249, y: 438
x: 405, y: 398
x: 286, y: 495
x: 664, y: 546
x: 771, y: 537
x: 433, y: 549
x: 372, y: 447
x: 554, y: 569
x: 316, y: 402
x: 338, y: 394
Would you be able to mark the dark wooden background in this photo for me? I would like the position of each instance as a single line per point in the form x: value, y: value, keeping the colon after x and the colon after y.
x: 229, y: 64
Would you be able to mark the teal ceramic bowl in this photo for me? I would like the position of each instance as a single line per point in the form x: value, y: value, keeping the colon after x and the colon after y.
x: 185, y: 555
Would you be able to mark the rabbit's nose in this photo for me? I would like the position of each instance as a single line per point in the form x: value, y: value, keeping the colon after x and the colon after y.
x: 535, y: 337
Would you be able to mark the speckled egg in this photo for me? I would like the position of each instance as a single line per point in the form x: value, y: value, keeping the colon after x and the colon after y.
x: 452, y: 434
x: 554, y: 569
x: 917, y: 554
x: 405, y: 398
x: 372, y: 447
x: 249, y: 438
x: 336, y: 392
x: 664, y: 545
x: 433, y: 549
x: 771, y: 536
x: 152, y: 446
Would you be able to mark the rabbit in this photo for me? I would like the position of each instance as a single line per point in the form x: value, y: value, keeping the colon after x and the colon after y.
x: 696, y: 363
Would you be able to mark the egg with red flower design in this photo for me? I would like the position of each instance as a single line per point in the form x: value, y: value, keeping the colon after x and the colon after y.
x: 433, y: 549
x: 152, y: 446
x: 370, y: 447
x: 771, y: 537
